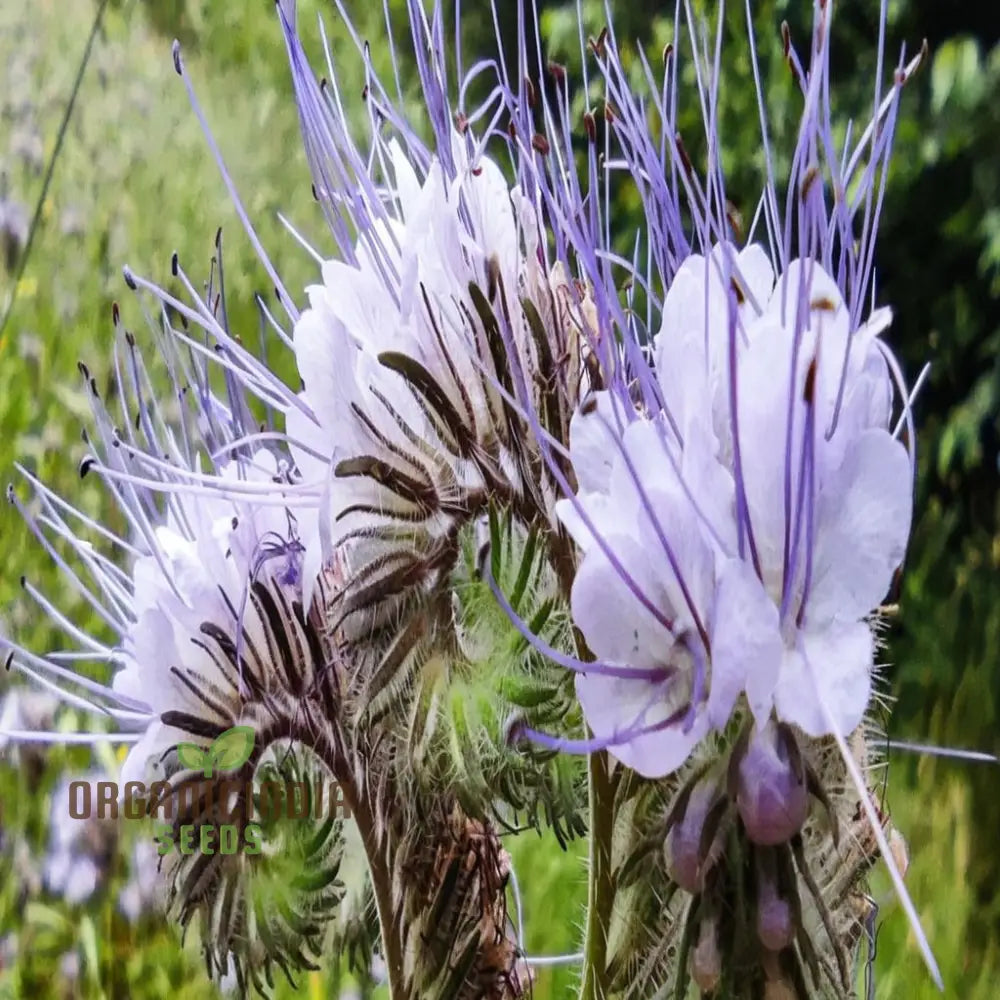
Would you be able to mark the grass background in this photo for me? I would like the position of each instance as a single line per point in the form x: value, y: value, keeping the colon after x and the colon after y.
x: 135, y: 182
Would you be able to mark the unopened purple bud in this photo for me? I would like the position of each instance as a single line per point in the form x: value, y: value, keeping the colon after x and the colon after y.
x: 706, y: 962
x: 775, y: 926
x: 775, y: 920
x: 772, y: 796
x: 688, y: 848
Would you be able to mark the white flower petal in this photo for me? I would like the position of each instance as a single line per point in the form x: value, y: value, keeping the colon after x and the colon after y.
x: 616, y: 625
x: 594, y: 442
x: 747, y: 647
x: 831, y: 667
x: 612, y: 705
x: 863, y: 523
x: 756, y: 276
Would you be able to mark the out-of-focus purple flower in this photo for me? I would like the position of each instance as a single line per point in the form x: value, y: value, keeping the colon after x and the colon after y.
x: 79, y: 852
x: 143, y: 893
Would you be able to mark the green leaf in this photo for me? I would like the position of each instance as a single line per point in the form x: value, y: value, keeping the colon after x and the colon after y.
x: 193, y: 757
x: 231, y: 749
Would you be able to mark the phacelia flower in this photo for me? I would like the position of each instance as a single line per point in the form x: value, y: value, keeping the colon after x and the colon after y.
x: 705, y: 451
x: 739, y: 490
x: 199, y: 615
x: 434, y: 333
x: 730, y: 589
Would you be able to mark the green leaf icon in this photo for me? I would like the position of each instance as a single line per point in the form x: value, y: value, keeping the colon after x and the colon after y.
x: 193, y: 757
x: 230, y: 750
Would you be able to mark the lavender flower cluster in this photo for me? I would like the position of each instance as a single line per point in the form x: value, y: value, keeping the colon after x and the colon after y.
x: 648, y: 505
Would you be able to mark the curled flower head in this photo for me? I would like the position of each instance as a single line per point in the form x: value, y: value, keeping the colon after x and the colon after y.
x: 199, y: 615
x: 219, y: 637
x: 437, y: 327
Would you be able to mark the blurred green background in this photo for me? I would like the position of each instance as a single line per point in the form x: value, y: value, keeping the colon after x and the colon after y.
x: 134, y: 181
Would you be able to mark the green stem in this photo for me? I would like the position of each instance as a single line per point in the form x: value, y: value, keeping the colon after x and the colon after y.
x: 600, y: 888
x: 392, y: 946
x: 363, y: 811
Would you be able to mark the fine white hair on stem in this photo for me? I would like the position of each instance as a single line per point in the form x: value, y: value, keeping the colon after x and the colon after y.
x: 885, y: 850
x: 955, y: 753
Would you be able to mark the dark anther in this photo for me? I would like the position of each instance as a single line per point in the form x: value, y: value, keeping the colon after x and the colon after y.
x: 668, y: 51
x: 236, y: 523
x: 86, y: 465
x: 114, y: 313
x: 812, y: 174
x: 590, y: 124
x: 130, y: 339
x: 540, y: 143
x: 735, y: 219
x: 609, y: 113
x: 9, y: 661
x: 598, y: 45
x: 557, y: 71
x: 129, y: 280
x: 492, y: 278
x: 174, y: 265
x: 809, y: 393
x: 682, y: 153
x: 218, y: 238
x: 786, y: 38
x: 461, y: 122
x: 83, y: 370
x: 512, y: 130
x: 176, y: 51
x: 588, y: 406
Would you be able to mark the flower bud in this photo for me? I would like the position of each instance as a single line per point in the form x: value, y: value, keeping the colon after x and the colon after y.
x: 706, y: 962
x: 775, y: 922
x: 772, y: 796
x: 689, y: 844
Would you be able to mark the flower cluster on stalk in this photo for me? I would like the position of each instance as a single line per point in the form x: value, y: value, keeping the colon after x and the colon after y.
x: 689, y: 519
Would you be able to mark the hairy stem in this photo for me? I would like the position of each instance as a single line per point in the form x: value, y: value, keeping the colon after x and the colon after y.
x: 363, y: 812
x: 392, y: 944
x: 600, y: 888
